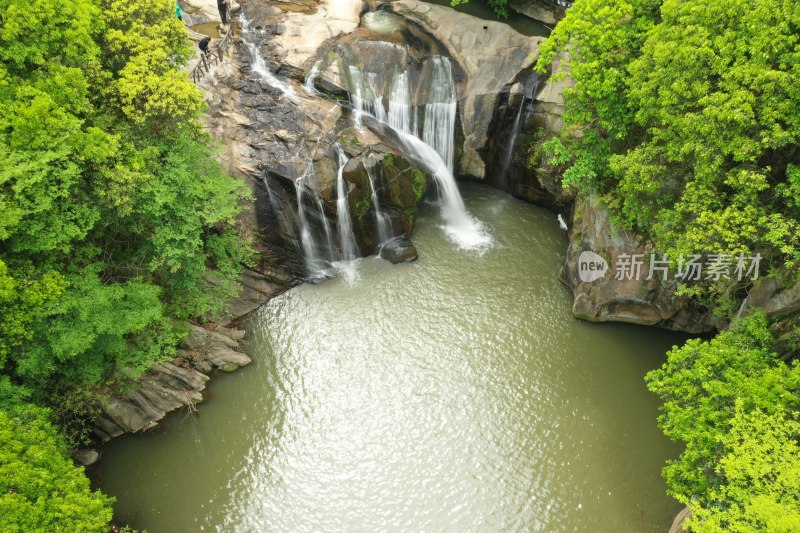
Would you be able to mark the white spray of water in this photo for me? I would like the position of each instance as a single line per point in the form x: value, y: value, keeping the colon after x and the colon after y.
x: 259, y: 65
x: 347, y: 265
x: 308, y: 85
x: 433, y: 146
x: 383, y: 223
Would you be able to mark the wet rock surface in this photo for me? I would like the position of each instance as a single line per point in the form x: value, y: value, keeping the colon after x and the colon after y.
x: 399, y: 250
x: 541, y: 10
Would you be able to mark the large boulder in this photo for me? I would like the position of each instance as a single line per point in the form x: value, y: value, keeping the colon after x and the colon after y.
x: 542, y: 10
x: 493, y: 57
x: 679, y: 524
x: 399, y: 250
x: 596, y: 244
x: 777, y: 297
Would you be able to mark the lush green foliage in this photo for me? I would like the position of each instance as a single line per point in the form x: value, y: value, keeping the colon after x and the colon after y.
x: 685, y: 119
x: 727, y: 400
x: 685, y: 116
x: 761, y: 468
x: 115, y: 223
x: 40, y: 489
x: 112, y: 209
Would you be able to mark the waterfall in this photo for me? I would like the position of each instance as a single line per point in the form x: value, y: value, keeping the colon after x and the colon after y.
x: 513, y: 140
x: 382, y: 222
x: 377, y: 101
x: 357, y: 83
x: 428, y: 139
x: 529, y: 92
x: 326, y: 226
x: 310, y: 250
x: 400, y: 104
x: 348, y: 240
x: 460, y: 226
x: 259, y: 65
x: 440, y: 111
x: 317, y: 254
x: 308, y: 84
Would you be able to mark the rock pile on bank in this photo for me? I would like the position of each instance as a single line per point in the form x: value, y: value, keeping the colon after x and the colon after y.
x: 173, y: 384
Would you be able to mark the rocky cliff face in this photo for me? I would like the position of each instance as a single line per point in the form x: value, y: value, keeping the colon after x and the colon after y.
x: 633, y: 297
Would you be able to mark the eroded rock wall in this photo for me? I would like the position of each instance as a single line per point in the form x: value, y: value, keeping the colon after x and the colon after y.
x: 623, y: 296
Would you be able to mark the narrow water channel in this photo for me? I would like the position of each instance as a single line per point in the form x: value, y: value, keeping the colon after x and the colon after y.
x: 453, y: 394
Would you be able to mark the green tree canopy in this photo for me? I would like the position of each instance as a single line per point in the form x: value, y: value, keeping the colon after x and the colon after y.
x: 112, y: 208
x: 715, y: 394
x: 40, y: 489
x: 761, y: 473
x: 685, y: 117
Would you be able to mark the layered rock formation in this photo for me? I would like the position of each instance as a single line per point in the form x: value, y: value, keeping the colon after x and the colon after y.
x: 168, y: 386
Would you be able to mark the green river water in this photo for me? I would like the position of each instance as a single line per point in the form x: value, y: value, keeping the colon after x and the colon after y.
x: 456, y: 393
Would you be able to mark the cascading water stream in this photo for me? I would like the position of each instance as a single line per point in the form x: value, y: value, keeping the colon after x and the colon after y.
x: 440, y: 111
x: 358, y: 83
x: 514, y: 133
x: 310, y: 249
x: 346, y: 237
x: 259, y: 65
x: 433, y: 146
x: 529, y: 92
x: 308, y: 84
x: 459, y: 226
x: 382, y: 221
x: 326, y: 226
x: 399, y: 116
x: 318, y: 254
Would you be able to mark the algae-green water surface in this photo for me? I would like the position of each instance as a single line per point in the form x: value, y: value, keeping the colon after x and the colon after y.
x: 456, y: 393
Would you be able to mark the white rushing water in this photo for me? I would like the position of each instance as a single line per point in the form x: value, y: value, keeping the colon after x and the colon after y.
x: 318, y: 253
x: 400, y: 104
x: 440, y: 111
x: 259, y: 65
x: 326, y: 226
x: 382, y: 222
x: 348, y: 241
x: 429, y: 140
x: 308, y: 84
x: 310, y: 249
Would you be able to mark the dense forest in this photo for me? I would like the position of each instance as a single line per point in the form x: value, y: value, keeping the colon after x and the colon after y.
x: 117, y: 225
x: 685, y: 120
x: 113, y: 212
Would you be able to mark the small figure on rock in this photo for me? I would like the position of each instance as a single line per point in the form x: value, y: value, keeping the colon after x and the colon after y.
x: 203, y: 44
x: 178, y: 10
x: 223, y: 6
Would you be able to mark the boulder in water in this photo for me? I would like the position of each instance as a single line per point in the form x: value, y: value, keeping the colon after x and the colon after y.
x: 86, y: 456
x: 399, y: 250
